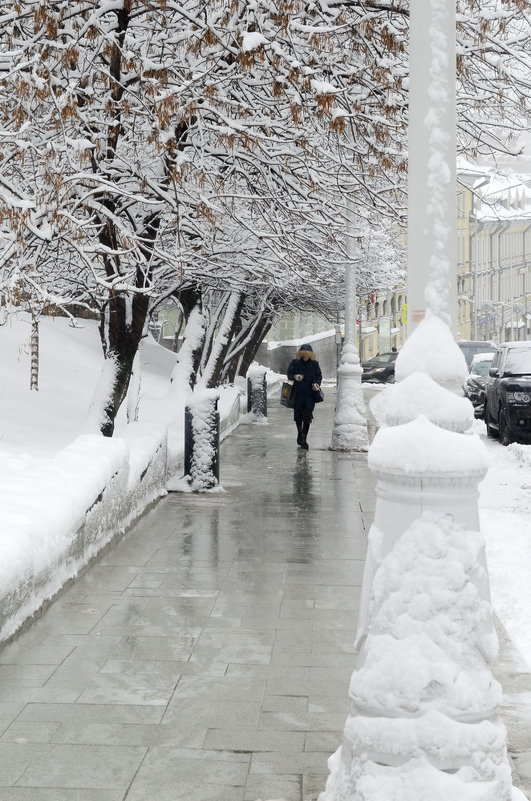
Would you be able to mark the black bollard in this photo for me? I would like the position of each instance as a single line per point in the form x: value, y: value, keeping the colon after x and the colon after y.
x: 201, y: 442
x: 257, y: 393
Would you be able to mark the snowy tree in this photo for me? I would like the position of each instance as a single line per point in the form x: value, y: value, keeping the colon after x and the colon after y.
x: 211, y: 147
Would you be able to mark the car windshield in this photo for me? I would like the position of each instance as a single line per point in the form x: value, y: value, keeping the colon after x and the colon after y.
x: 384, y: 358
x: 481, y: 368
x: 469, y: 351
x: 518, y: 362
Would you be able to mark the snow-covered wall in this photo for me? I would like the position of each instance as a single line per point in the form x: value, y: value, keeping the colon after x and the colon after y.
x: 277, y: 355
x: 77, y: 502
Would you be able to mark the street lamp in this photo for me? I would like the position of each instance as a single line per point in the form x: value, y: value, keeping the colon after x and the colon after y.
x: 349, y: 432
x: 423, y: 701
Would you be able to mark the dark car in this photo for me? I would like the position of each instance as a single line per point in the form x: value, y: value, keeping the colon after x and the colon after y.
x: 474, y: 385
x: 471, y: 347
x: 508, y: 394
x: 381, y: 368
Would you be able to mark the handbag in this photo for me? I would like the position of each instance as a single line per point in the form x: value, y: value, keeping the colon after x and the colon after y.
x: 318, y: 395
x: 287, y: 395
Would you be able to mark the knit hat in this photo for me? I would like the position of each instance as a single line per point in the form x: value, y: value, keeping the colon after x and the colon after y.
x: 306, y: 347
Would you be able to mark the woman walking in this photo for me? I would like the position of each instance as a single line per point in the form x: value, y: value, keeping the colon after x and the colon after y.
x: 305, y: 372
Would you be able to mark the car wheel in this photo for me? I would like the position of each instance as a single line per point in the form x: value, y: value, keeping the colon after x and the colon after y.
x: 491, y: 432
x: 505, y: 437
x: 391, y: 379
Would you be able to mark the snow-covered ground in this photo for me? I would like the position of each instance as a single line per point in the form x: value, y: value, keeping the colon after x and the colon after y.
x: 505, y: 510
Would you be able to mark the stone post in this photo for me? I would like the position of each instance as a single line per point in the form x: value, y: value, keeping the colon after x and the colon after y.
x: 257, y: 393
x: 201, y: 441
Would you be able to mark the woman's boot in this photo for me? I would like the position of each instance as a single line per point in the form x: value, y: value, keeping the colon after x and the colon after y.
x: 305, y: 429
x: 300, y: 439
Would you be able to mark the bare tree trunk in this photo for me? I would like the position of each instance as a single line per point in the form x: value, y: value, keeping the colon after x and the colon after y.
x: 34, y: 354
x: 251, y: 349
x: 121, y: 329
x: 222, y: 339
x: 133, y: 395
x: 245, y: 347
x: 185, y: 372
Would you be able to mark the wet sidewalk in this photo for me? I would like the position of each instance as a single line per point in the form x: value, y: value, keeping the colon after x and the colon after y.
x: 206, y: 656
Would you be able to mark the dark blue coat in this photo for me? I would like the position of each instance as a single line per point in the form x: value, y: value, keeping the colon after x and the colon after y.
x: 311, y: 371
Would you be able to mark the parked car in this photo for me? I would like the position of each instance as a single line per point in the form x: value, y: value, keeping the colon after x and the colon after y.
x: 471, y: 347
x: 380, y: 368
x: 508, y: 393
x: 474, y: 385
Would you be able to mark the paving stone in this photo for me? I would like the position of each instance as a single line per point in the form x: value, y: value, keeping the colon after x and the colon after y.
x: 58, y: 794
x: 251, y: 741
x: 168, y: 775
x: 185, y: 711
x: 70, y: 766
x: 92, y: 713
x: 20, y: 732
x: 74, y: 732
x: 266, y: 787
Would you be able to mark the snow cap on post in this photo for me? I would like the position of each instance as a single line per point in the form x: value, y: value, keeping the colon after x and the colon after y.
x: 420, y: 394
x: 420, y: 448
x: 431, y: 349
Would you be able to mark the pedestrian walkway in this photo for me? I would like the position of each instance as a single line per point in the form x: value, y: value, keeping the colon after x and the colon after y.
x: 206, y: 656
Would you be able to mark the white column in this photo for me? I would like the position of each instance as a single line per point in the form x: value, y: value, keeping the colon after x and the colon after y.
x: 423, y: 700
x: 351, y: 247
x: 350, y: 424
x: 432, y: 203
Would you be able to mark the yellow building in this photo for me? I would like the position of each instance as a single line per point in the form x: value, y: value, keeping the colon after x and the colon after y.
x: 493, y: 228
x: 494, y: 281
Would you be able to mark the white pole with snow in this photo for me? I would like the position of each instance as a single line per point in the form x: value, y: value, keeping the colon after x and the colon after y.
x: 423, y: 701
x: 432, y: 240
x: 349, y: 432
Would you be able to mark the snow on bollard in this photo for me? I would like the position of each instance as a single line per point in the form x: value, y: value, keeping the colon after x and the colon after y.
x: 350, y: 426
x: 423, y: 702
x: 257, y: 393
x: 201, y: 441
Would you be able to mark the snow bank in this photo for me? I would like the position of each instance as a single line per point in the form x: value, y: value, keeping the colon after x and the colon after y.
x: 64, y: 496
x: 350, y: 424
x: 59, y: 512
